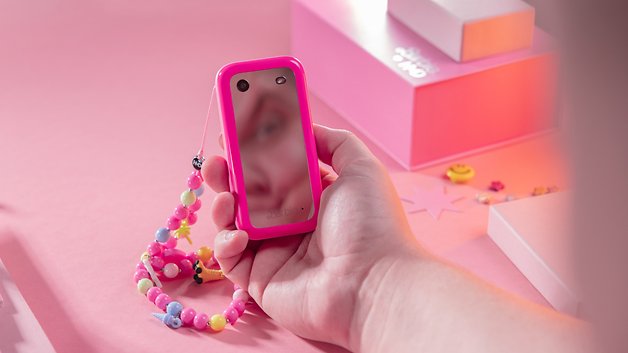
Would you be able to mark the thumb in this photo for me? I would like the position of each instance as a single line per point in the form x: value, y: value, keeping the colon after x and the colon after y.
x: 229, y: 245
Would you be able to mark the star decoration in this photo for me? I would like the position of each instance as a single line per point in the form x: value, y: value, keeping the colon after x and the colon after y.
x: 433, y: 201
x: 183, y: 232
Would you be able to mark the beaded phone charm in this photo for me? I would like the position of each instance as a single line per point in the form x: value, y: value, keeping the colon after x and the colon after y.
x: 162, y: 261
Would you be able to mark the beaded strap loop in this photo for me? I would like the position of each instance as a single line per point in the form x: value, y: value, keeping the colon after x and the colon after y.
x: 162, y: 261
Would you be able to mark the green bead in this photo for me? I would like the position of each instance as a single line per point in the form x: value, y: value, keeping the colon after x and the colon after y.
x: 188, y: 198
x: 144, y: 285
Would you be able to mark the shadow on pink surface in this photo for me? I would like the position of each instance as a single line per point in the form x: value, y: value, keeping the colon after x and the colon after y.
x: 5, y: 208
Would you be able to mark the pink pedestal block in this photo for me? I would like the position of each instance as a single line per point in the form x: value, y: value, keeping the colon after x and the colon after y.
x: 534, y: 234
x: 408, y: 97
x: 20, y: 331
x: 468, y: 30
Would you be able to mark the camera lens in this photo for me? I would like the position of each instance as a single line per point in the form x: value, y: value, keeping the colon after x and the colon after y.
x: 243, y: 85
x: 280, y: 80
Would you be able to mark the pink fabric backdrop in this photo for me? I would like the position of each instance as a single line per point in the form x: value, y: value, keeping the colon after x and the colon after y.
x: 101, y: 105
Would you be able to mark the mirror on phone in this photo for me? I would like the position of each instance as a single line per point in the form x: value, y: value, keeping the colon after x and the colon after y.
x: 272, y: 148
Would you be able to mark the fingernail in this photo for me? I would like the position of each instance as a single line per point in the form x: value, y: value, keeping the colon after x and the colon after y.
x: 230, y: 235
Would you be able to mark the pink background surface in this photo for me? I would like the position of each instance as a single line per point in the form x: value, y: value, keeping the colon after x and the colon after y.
x: 101, y: 106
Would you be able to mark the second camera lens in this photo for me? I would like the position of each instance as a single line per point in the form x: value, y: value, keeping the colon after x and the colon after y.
x: 243, y: 85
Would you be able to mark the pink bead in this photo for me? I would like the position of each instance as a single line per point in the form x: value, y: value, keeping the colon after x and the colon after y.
x: 186, y: 267
x: 173, y: 223
x: 187, y: 316
x: 173, y: 254
x: 171, y: 243
x: 181, y: 212
x: 192, y: 218
x: 194, y: 181
x: 162, y: 301
x: 235, y: 287
x: 239, y: 305
x: 241, y: 294
x: 191, y: 256
x: 200, y: 321
x: 195, y: 206
x: 157, y: 263
x: 152, y: 293
x: 231, y: 314
x: 139, y: 274
x: 154, y: 249
x: 140, y: 266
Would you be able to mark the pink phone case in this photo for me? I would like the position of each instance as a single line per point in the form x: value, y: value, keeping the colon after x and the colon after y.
x: 236, y: 177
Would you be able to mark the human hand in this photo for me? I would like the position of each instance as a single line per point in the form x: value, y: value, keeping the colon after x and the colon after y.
x: 313, y: 284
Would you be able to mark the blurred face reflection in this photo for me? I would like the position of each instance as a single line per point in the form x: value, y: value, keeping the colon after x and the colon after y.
x: 272, y: 149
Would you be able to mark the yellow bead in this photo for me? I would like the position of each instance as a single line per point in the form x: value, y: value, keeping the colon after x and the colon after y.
x: 217, y: 322
x: 144, y: 285
x: 460, y: 173
x: 204, y: 254
x: 188, y: 198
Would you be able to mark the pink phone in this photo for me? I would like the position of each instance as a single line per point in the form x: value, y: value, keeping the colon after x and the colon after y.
x: 270, y: 148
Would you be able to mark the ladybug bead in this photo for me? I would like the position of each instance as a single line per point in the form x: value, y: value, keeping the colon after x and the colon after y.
x: 197, y: 162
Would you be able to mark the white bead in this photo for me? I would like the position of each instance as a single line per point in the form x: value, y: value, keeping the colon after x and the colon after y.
x: 241, y: 294
x: 171, y: 270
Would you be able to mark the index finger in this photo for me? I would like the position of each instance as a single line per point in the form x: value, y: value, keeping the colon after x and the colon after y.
x: 340, y: 149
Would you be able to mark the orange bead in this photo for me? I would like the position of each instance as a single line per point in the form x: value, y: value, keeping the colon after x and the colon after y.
x: 204, y: 254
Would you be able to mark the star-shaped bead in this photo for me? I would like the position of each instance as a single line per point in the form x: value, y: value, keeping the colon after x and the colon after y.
x: 183, y: 232
x: 433, y: 201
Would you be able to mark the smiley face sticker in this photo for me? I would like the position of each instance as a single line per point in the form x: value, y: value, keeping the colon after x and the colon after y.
x: 460, y: 173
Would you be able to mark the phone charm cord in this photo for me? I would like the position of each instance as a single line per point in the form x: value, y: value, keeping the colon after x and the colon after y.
x: 163, y: 261
x: 201, y: 150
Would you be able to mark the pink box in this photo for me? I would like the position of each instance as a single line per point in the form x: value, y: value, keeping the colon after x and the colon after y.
x: 24, y: 333
x: 408, y: 97
x: 468, y: 30
x: 534, y: 233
